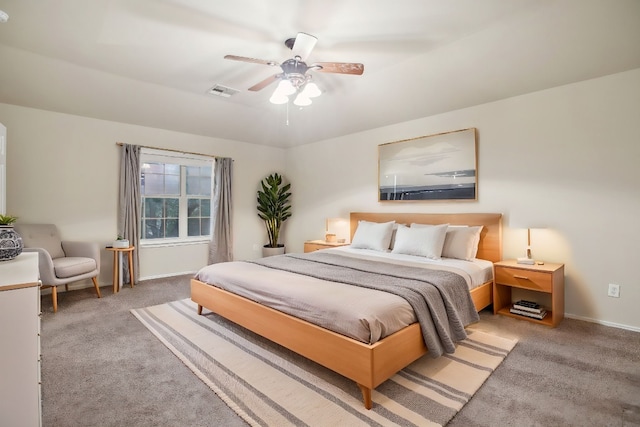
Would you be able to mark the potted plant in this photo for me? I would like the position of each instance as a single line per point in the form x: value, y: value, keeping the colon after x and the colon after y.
x: 274, y: 209
x: 10, y: 241
x: 7, y: 220
x: 121, y: 242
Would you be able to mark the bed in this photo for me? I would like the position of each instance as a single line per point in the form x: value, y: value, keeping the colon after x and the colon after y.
x: 367, y: 364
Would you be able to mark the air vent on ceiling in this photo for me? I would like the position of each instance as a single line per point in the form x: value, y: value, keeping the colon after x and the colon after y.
x: 223, y: 91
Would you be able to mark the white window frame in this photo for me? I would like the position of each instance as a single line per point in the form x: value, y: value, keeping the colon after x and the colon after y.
x: 149, y: 155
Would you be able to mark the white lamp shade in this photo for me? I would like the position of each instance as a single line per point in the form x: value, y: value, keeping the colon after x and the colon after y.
x: 302, y: 101
x: 339, y: 227
x: 311, y: 90
x: 277, y: 98
x: 285, y: 88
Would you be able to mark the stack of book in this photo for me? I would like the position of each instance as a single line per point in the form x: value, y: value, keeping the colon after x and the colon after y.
x: 528, y: 309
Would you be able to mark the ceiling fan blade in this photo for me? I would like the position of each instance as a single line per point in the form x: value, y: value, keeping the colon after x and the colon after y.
x: 338, y: 67
x: 253, y: 60
x: 266, y: 82
x: 303, y: 45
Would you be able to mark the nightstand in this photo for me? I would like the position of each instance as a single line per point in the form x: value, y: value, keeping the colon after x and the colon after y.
x: 544, y: 279
x: 316, y: 245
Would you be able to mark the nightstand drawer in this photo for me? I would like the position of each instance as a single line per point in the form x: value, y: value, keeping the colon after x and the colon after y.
x: 527, y: 279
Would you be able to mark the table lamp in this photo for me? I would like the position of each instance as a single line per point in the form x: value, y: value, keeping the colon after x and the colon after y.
x: 337, y: 230
x: 527, y: 259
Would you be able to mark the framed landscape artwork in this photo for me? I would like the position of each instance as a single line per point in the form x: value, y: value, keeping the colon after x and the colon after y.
x: 434, y: 167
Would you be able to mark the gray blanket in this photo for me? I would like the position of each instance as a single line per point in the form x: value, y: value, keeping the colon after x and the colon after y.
x: 440, y: 299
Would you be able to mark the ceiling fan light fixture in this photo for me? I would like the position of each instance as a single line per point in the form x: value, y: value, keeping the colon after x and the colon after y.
x: 311, y: 90
x: 289, y: 85
x: 302, y: 100
x: 278, y: 98
x: 285, y: 87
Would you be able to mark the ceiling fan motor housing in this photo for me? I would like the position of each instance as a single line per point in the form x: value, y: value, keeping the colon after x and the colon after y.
x: 294, y: 70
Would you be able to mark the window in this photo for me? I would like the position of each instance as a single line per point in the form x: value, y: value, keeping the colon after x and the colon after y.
x: 176, y: 197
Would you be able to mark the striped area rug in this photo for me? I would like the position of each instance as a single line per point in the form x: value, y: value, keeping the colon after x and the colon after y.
x: 268, y: 385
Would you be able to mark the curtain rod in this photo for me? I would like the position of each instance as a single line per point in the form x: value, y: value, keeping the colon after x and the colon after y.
x: 174, y: 151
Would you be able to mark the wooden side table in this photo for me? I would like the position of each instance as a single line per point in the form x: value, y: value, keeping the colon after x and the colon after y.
x: 547, y: 278
x: 117, y: 266
x: 316, y: 245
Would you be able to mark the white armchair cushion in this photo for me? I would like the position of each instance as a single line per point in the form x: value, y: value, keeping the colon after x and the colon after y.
x: 73, y: 266
x: 83, y: 250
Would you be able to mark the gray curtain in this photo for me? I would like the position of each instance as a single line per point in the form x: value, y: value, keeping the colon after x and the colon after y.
x: 129, y: 213
x: 221, y: 245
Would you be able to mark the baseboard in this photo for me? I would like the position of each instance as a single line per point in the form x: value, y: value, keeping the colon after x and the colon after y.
x: 89, y: 283
x: 164, y: 276
x: 603, y: 322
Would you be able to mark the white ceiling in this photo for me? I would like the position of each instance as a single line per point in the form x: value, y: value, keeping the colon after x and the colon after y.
x: 151, y: 62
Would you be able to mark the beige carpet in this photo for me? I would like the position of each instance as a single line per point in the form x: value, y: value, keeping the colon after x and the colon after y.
x: 269, y: 385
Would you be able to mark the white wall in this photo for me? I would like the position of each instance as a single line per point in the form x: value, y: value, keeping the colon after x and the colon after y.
x: 567, y: 158
x: 63, y: 169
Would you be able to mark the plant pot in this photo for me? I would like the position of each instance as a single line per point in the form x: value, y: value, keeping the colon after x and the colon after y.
x: 121, y: 244
x: 268, y: 251
x: 10, y: 243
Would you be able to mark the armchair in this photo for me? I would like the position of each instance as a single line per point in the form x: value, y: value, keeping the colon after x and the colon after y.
x: 60, y: 262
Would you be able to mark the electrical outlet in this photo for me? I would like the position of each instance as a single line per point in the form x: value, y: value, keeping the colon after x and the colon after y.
x: 614, y: 290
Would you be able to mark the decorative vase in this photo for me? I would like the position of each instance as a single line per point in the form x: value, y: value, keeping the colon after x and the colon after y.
x: 10, y: 243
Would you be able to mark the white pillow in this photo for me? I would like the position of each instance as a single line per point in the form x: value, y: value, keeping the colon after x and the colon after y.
x: 461, y: 242
x: 426, y: 241
x: 373, y: 235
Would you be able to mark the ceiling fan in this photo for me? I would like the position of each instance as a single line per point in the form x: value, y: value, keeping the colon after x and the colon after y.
x: 294, y: 77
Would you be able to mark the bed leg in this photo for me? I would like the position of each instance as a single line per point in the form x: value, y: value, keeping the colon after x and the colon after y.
x: 199, y: 310
x: 366, y: 396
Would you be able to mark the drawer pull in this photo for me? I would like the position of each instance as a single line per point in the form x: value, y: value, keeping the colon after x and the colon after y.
x: 520, y: 277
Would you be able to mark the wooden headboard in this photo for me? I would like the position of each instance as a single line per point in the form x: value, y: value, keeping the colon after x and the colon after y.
x: 489, y: 248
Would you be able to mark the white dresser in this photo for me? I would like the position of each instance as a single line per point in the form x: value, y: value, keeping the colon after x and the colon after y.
x: 20, y: 394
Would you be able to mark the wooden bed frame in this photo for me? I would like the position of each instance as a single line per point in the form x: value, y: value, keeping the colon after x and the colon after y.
x: 369, y: 365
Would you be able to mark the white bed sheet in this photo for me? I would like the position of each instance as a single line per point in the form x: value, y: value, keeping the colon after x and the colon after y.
x: 475, y: 272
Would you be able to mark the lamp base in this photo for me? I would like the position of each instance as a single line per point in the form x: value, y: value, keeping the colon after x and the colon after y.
x: 525, y: 260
